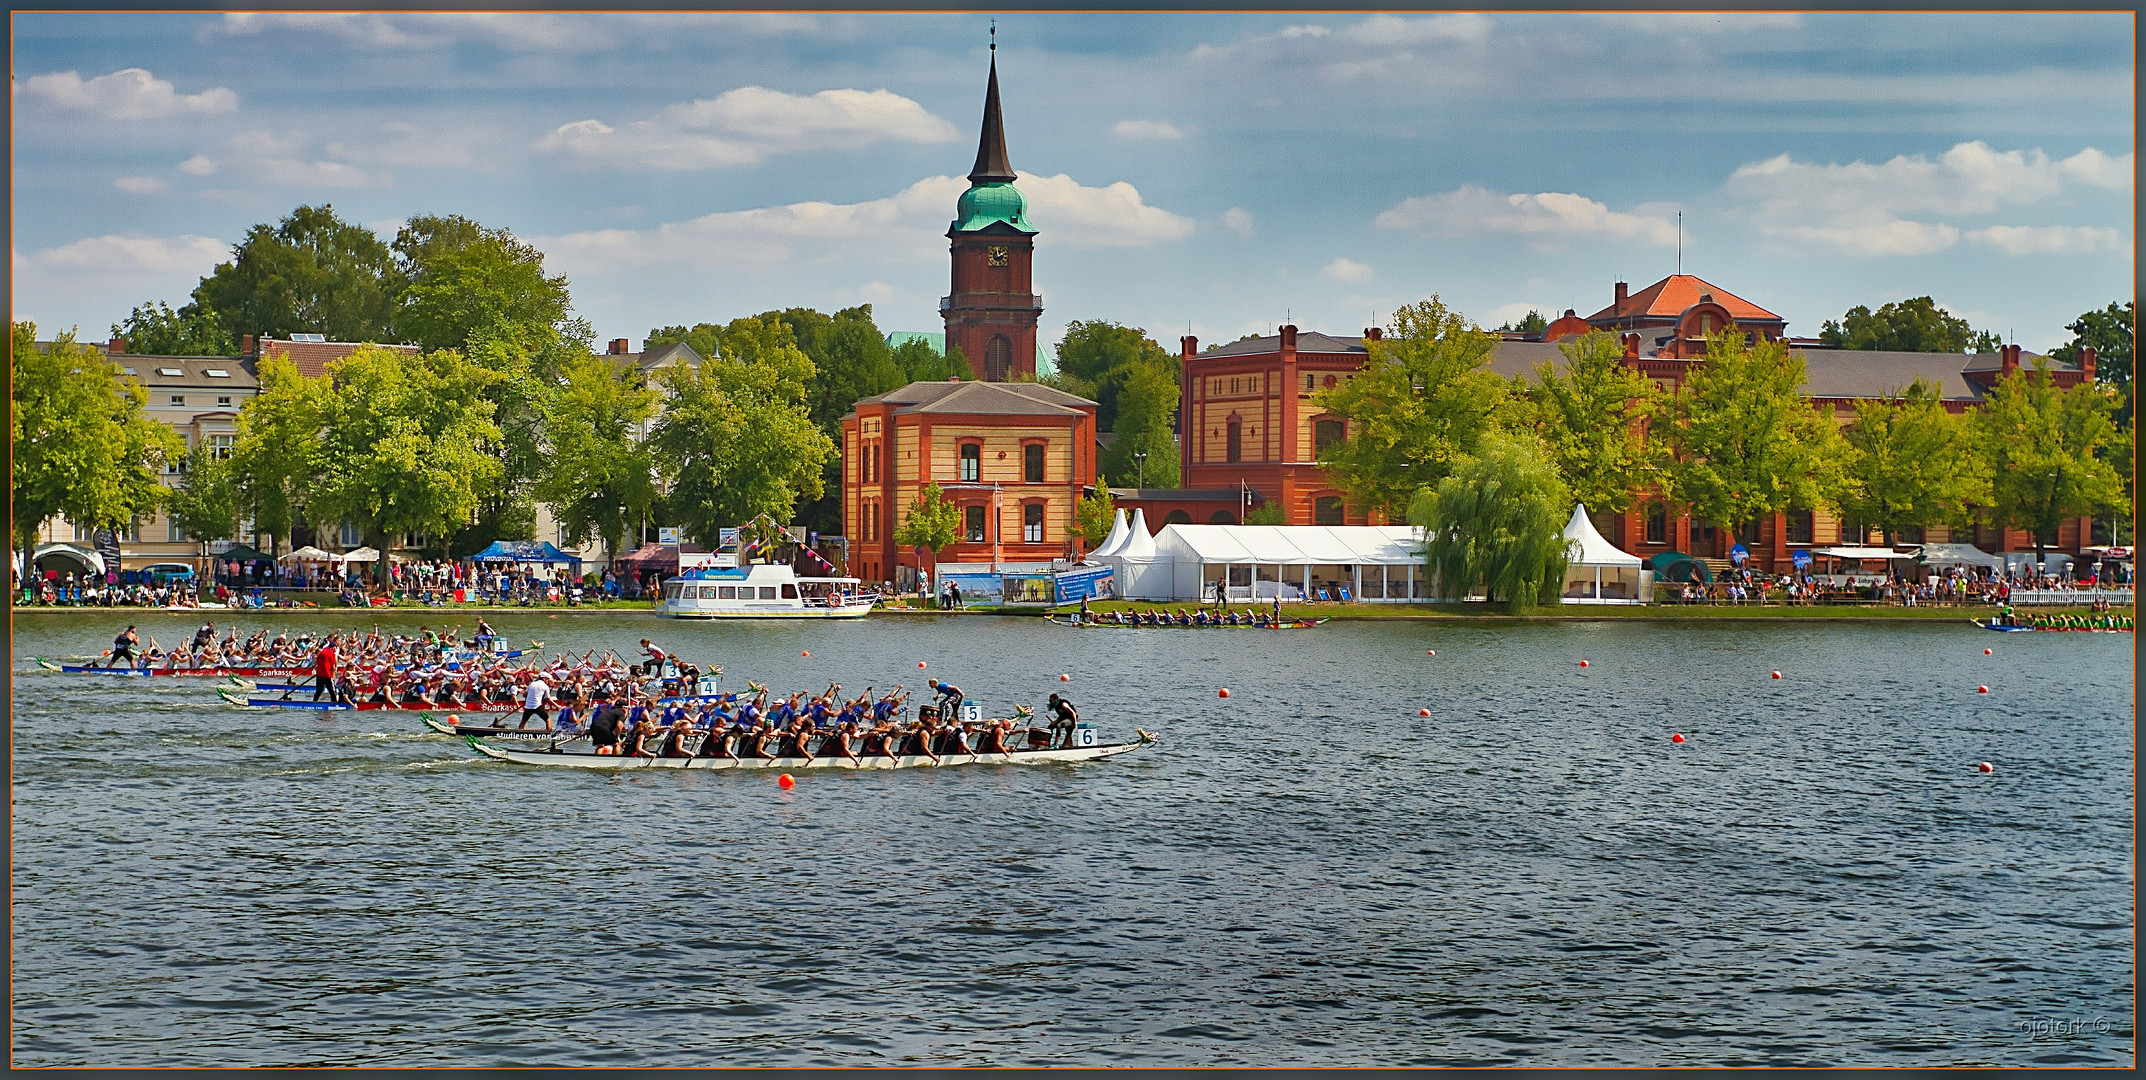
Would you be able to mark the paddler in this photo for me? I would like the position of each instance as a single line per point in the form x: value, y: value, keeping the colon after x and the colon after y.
x: 324, y: 672
x: 604, y: 724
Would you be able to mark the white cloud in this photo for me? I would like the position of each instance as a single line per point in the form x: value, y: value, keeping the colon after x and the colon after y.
x: 1237, y: 220
x: 1550, y: 216
x: 745, y: 125
x: 906, y: 227
x: 1346, y: 270
x: 277, y: 159
x: 139, y: 185
x: 129, y: 255
x: 2048, y: 239
x: 1865, y: 209
x: 526, y: 32
x: 1469, y: 28
x: 1696, y: 22
x: 1161, y: 130
x: 128, y: 94
x: 405, y: 143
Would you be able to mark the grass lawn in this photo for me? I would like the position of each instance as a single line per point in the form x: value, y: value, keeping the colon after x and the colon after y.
x: 1664, y: 612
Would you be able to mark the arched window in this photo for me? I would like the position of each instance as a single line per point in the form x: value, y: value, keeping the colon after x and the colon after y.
x: 1177, y: 517
x: 1223, y: 517
x: 1326, y: 510
x: 1236, y: 442
x: 998, y: 358
x: 1325, y: 433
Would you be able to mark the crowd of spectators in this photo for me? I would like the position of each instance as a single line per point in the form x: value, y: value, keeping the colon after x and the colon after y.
x: 438, y: 584
x: 1953, y: 587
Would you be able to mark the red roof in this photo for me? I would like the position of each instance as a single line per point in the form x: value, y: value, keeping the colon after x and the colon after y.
x: 312, y: 358
x: 1667, y: 298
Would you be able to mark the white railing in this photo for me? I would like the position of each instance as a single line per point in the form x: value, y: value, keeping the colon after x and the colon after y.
x: 2069, y: 597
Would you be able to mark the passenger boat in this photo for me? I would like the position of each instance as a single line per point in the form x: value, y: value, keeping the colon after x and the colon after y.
x: 1095, y: 623
x: 762, y: 591
x: 558, y: 758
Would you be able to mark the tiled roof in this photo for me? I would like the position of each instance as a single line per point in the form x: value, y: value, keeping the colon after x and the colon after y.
x: 312, y: 358
x: 1833, y: 373
x: 981, y: 399
x: 1307, y: 342
x: 155, y: 372
x: 1669, y: 297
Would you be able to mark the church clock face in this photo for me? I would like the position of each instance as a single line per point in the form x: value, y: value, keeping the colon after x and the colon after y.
x: 995, y: 255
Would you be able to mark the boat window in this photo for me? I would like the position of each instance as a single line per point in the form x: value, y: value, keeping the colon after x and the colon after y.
x: 707, y: 592
x: 671, y: 590
x: 767, y: 592
x: 726, y: 592
x: 789, y: 592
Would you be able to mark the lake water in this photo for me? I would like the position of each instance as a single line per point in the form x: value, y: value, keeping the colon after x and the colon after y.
x: 1308, y: 872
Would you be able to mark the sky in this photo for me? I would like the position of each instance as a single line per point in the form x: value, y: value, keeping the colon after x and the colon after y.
x: 1218, y: 174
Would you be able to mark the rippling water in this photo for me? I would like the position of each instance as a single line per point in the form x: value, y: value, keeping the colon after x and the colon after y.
x: 1305, y: 873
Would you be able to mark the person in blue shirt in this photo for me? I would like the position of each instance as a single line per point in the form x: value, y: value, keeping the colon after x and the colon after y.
x: 949, y: 698
x: 673, y: 713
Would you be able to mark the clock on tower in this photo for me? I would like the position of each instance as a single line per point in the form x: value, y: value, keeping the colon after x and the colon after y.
x: 992, y: 310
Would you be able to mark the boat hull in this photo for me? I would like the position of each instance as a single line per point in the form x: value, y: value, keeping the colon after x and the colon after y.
x: 1105, y: 624
x: 853, y: 611
x: 795, y: 764
x: 530, y: 734
x: 362, y: 706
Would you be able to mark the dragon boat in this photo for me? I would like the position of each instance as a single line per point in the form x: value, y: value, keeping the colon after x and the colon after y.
x: 557, y: 757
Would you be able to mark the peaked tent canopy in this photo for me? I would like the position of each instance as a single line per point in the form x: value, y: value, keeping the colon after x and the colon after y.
x: 1959, y: 555
x: 1587, y: 546
x: 363, y: 554
x: 309, y: 554
x: 1119, y: 530
x: 1597, y: 571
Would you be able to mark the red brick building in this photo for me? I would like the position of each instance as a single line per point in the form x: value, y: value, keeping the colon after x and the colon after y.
x: 992, y: 309
x: 1014, y: 457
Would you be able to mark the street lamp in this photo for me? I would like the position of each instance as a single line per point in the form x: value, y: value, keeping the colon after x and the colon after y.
x: 1140, y: 468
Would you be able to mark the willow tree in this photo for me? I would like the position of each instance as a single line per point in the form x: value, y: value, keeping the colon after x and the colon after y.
x: 1497, y: 523
x: 1423, y: 401
x: 1913, y: 463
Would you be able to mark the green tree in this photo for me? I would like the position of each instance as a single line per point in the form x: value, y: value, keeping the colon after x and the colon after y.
x: 1422, y: 403
x: 155, y: 329
x: 736, y: 438
x: 1497, y: 523
x: 2111, y: 331
x: 1096, y: 512
x: 1147, y: 422
x: 600, y: 480
x: 930, y: 522
x: 458, y: 278
x: 2043, y: 446
x: 1914, y: 325
x: 1267, y: 514
x: 205, y: 502
x: 1912, y: 464
x: 1744, y: 442
x: 1593, y: 422
x: 274, y: 458
x: 700, y: 337
x: 920, y: 362
x: 850, y: 360
x: 1533, y: 323
x: 1096, y: 359
x: 311, y: 273
x: 80, y: 443
x: 407, y: 445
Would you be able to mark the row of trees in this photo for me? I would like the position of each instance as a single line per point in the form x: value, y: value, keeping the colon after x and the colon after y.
x: 1490, y: 466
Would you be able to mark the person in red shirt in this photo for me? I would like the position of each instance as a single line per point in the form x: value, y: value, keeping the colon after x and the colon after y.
x: 324, y: 670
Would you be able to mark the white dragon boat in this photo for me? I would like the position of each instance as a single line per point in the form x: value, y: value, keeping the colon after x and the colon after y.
x: 560, y: 758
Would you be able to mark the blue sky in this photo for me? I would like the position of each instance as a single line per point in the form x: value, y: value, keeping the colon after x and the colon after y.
x: 1223, y: 172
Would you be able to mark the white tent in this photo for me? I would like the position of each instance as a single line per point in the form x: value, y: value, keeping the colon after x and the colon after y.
x: 309, y: 554
x: 1938, y: 556
x: 363, y: 554
x: 1141, y: 572
x: 1119, y: 530
x: 88, y: 557
x: 1599, y: 572
x: 1259, y: 562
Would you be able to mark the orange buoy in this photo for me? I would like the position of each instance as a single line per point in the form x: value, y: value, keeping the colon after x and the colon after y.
x: 1423, y: 712
x: 1062, y: 677
x: 1988, y: 652
x: 1224, y: 692
x: 805, y: 653
x: 1982, y: 689
x: 785, y: 781
x: 1776, y: 674
x: 1678, y: 737
x: 1986, y: 767
x: 1583, y: 663
x: 453, y: 720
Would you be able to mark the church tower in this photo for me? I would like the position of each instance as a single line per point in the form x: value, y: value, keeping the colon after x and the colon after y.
x: 992, y: 311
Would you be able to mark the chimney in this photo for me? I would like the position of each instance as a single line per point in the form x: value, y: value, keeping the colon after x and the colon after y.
x: 1631, y: 346
x: 1619, y: 308
x: 2009, y: 361
x: 621, y: 346
x: 245, y: 344
x: 953, y: 378
x: 2086, y: 362
x: 1188, y: 346
x: 1373, y: 333
x: 1289, y: 342
x: 117, y: 347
